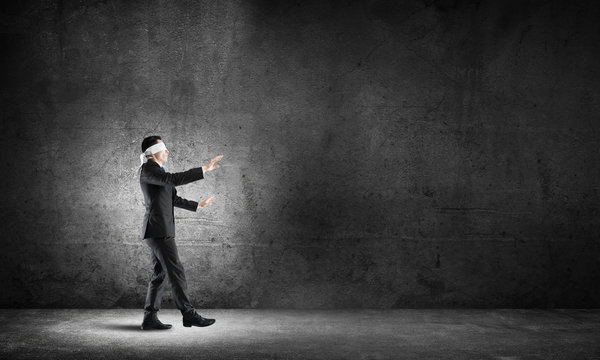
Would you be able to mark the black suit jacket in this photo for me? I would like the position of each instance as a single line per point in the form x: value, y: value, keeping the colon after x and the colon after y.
x: 160, y: 196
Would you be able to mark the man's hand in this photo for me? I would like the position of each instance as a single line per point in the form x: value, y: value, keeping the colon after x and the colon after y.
x: 206, y: 202
x: 211, y: 164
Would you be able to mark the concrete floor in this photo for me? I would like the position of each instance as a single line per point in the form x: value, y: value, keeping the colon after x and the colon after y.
x: 297, y: 334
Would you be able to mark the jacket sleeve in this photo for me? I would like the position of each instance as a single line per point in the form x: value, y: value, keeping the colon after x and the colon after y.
x: 155, y: 176
x: 183, y: 203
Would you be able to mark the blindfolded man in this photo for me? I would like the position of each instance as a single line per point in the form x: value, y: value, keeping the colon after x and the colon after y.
x: 160, y: 198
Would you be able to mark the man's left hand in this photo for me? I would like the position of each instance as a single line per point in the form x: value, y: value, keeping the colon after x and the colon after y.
x: 206, y: 202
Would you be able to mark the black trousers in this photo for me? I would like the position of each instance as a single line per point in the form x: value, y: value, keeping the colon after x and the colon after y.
x: 166, y: 264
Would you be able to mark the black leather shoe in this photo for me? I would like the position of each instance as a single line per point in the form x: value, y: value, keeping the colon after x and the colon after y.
x: 197, y: 320
x: 151, y: 322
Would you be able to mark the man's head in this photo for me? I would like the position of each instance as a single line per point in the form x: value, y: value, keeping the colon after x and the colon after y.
x: 159, y: 157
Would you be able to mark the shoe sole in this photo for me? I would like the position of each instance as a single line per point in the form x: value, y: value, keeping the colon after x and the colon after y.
x: 153, y: 328
x: 190, y: 325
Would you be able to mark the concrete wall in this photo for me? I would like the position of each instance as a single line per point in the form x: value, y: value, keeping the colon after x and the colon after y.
x: 377, y: 153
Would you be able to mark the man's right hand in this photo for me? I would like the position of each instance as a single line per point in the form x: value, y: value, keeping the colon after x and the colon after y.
x: 206, y: 202
x: 211, y: 164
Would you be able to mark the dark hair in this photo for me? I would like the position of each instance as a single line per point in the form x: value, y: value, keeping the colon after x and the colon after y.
x: 149, y: 141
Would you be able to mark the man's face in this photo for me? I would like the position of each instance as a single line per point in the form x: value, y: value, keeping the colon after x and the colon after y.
x: 162, y: 155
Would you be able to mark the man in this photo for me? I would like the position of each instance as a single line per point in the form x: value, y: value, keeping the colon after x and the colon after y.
x: 158, y: 231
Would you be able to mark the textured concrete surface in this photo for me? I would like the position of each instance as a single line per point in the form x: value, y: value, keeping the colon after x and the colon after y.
x: 301, y: 334
x: 378, y: 153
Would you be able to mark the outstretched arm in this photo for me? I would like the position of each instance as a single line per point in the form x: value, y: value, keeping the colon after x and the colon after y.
x: 190, y: 204
x: 155, y: 176
x: 159, y: 176
x: 184, y: 203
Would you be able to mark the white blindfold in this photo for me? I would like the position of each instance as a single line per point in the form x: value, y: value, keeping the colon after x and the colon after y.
x: 151, y: 150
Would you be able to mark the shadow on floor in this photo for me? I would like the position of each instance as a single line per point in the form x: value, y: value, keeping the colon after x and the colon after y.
x: 122, y: 327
